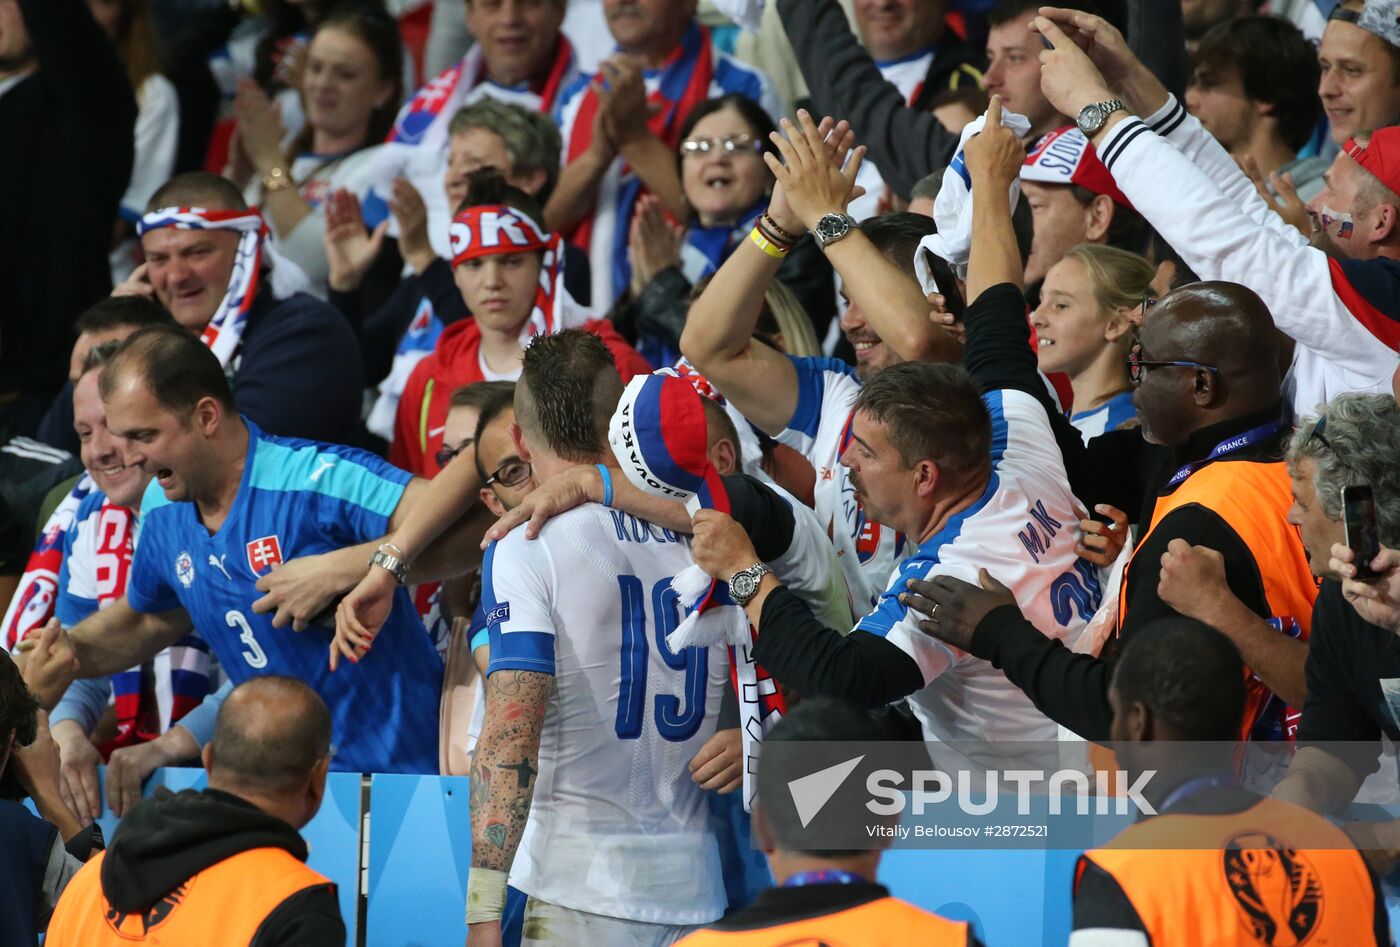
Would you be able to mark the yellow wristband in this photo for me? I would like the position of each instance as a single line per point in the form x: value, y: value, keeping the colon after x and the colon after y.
x: 486, y: 894
x: 766, y: 245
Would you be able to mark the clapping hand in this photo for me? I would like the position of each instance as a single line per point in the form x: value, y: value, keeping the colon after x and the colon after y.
x: 653, y: 244
x: 350, y: 250
x: 813, y: 184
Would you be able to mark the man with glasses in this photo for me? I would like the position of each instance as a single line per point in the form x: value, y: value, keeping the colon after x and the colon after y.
x: 1206, y: 382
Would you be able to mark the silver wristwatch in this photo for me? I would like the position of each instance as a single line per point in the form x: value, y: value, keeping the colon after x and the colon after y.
x: 744, y: 585
x: 1092, y: 117
x: 833, y: 227
x: 396, y: 566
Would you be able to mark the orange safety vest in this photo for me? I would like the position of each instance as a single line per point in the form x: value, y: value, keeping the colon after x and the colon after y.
x: 1273, y: 874
x: 222, y: 906
x: 884, y: 922
x: 1253, y: 499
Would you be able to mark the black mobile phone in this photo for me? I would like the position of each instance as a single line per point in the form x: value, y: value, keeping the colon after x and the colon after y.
x: 947, y: 284
x: 1363, y: 535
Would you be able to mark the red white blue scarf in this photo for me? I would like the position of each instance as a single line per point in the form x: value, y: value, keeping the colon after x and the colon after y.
x: 33, y: 602
x: 659, y: 436
x: 428, y: 112
x: 683, y: 83
x: 225, y: 330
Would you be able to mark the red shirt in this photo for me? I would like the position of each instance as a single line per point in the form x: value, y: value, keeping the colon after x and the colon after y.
x: 456, y: 361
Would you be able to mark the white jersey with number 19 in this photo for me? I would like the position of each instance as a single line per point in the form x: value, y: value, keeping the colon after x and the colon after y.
x: 617, y: 826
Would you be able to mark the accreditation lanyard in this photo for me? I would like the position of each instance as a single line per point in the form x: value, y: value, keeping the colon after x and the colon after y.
x: 1228, y: 446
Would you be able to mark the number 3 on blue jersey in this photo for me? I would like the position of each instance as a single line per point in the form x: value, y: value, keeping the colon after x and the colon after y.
x: 253, y: 654
x: 674, y: 722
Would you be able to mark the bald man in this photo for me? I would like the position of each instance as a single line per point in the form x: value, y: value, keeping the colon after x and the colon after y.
x: 228, y: 856
x: 1207, y: 383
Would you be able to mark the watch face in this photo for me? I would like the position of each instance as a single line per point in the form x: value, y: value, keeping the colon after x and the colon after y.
x: 744, y: 585
x: 832, y: 226
x: 1090, y: 118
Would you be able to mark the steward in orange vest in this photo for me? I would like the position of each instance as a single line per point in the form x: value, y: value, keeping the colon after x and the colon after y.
x: 823, y: 897
x: 1217, y: 864
x: 222, y: 867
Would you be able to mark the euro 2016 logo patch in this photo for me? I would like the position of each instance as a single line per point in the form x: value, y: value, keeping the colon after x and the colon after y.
x: 1277, y: 890
x: 184, y: 569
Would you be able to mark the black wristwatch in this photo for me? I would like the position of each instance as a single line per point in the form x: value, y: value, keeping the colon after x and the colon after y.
x: 832, y: 227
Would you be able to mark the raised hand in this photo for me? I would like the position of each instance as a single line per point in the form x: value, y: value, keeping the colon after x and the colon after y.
x: 623, y: 100
x: 994, y: 155
x: 412, y: 215
x: 840, y: 140
x: 1068, y: 77
x: 260, y: 129
x: 350, y: 250
x: 813, y: 183
x: 1108, y: 50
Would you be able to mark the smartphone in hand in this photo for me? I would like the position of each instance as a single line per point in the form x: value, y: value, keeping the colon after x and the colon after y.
x: 1362, y: 533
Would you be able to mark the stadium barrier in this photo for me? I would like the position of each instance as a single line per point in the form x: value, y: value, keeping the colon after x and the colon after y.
x: 398, y: 848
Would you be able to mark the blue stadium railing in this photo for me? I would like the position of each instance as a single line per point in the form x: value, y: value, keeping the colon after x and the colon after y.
x: 405, y: 843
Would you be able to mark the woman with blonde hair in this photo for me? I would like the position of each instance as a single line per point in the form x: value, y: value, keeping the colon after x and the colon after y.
x: 1084, y: 329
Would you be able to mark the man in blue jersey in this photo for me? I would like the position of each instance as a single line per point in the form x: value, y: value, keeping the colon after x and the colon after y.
x: 228, y: 503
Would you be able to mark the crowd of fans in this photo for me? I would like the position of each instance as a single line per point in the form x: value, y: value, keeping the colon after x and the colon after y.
x: 662, y: 379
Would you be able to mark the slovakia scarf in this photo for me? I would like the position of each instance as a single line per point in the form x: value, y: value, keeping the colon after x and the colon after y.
x: 225, y: 330
x: 424, y: 120
x: 490, y: 229
x: 148, y: 698
x: 683, y: 83
x: 659, y: 435
x: 33, y: 602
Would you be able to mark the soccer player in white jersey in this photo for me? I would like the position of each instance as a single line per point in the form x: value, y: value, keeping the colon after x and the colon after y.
x: 976, y: 481
x: 617, y: 849
x: 807, y: 402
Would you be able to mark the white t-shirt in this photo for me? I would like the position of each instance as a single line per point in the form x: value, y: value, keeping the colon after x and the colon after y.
x: 1022, y: 531
x: 820, y: 429
x: 617, y: 826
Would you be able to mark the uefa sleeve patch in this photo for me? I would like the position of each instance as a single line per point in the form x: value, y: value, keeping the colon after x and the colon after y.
x: 499, y: 613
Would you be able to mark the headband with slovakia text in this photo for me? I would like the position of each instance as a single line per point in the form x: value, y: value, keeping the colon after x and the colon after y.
x: 491, y: 229
x: 225, y: 329
x: 659, y: 436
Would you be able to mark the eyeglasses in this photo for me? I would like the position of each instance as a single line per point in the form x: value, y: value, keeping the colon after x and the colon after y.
x: 1148, y: 301
x: 445, y: 455
x: 730, y: 145
x: 1138, y: 367
x: 512, y: 473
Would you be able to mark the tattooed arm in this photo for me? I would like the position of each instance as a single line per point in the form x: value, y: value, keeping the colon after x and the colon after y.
x: 504, y: 767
